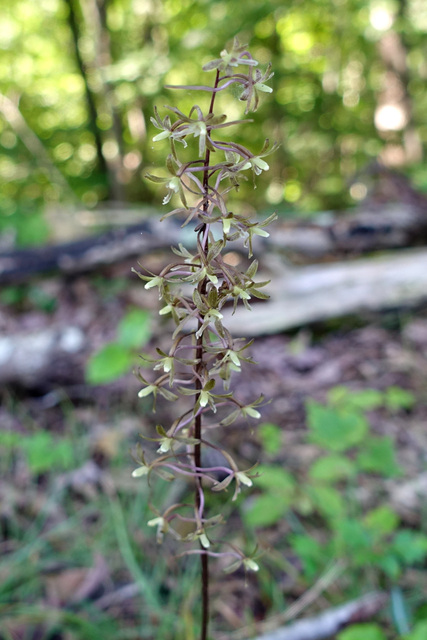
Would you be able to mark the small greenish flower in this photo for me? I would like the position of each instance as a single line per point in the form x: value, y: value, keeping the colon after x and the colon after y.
x: 247, y: 411
x: 162, y: 527
x: 256, y: 164
x: 162, y: 135
x: 244, y: 479
x: 232, y: 355
x: 251, y: 412
x: 155, y: 390
x: 263, y: 87
x: 238, y: 55
x: 238, y: 292
x: 198, y: 129
x: 226, y: 224
x: 140, y: 471
x: 164, y: 126
x: 204, y: 540
x: 250, y: 564
x: 165, y: 445
x: 254, y: 85
x: 156, y: 281
x: 146, y: 391
x: 213, y: 315
x: 165, y: 363
x: 173, y: 186
x: 165, y: 310
x: 257, y: 229
x: 200, y: 274
x: 204, y: 398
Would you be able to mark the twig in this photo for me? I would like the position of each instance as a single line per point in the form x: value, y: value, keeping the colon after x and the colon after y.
x: 299, y: 605
x: 118, y: 596
x: 327, y: 624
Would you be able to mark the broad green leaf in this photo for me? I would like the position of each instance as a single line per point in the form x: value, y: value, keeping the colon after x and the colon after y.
x: 271, y: 437
x: 43, y: 453
x: 266, y: 509
x: 108, y: 364
x: 368, y: 631
x: 310, y: 552
x: 390, y: 565
x: 419, y: 632
x: 359, y: 400
x: 353, y: 539
x: 274, y: 477
x: 134, y: 329
x: 327, y: 500
x: 333, y: 429
x: 397, y: 398
x: 378, y: 455
x: 332, y: 468
x: 31, y: 229
x: 410, y: 546
x: 381, y: 521
x: 10, y: 439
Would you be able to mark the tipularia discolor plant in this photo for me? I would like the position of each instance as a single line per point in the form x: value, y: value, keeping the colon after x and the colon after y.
x: 193, y: 290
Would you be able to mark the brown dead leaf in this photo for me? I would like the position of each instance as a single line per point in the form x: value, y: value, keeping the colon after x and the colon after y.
x: 76, y: 584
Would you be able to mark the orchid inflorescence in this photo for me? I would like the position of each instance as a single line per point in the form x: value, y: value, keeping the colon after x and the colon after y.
x: 194, y: 289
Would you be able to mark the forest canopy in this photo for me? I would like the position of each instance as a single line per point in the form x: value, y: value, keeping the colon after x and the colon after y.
x: 79, y: 80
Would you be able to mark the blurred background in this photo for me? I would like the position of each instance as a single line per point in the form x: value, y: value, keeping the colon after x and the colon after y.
x: 341, y: 502
x: 79, y: 80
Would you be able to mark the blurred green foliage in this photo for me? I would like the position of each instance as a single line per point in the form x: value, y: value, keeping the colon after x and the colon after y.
x: 368, y: 541
x: 41, y: 451
x: 79, y: 80
x: 115, y: 359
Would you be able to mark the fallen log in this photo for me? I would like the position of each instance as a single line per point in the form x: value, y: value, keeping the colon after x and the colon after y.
x: 48, y: 357
x: 372, y: 228
x: 330, y: 622
x: 88, y: 253
x: 299, y: 296
x: 302, y: 295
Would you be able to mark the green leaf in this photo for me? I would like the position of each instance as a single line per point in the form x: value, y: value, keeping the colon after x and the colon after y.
x: 390, y: 565
x: 266, y: 509
x: 327, y: 500
x: 43, y: 453
x: 31, y: 229
x: 108, y: 364
x: 333, y: 429
x: 399, y: 609
x: 361, y: 400
x: 397, y: 398
x: 410, y: 546
x: 10, y: 439
x: 274, y: 477
x: 419, y: 632
x: 311, y: 553
x: 381, y: 521
x: 332, y: 468
x: 271, y: 437
x: 367, y: 631
x: 353, y: 539
x: 379, y: 456
x: 134, y: 329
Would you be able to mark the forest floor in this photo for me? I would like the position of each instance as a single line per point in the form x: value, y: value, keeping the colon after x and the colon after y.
x: 76, y: 556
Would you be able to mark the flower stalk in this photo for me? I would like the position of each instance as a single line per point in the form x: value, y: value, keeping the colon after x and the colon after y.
x: 193, y: 290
